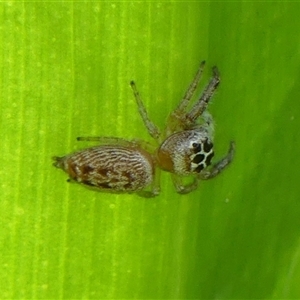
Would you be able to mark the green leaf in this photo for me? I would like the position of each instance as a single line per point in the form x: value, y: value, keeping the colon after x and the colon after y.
x: 65, y: 72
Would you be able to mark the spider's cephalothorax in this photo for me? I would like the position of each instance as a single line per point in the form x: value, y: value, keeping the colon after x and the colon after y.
x: 184, y: 148
x: 186, y: 152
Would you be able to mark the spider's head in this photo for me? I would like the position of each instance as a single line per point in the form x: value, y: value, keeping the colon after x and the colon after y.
x: 186, y: 152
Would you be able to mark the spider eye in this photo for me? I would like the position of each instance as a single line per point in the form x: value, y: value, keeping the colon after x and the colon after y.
x: 197, y: 147
x: 207, y: 146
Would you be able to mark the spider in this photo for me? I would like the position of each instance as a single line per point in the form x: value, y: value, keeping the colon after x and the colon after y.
x: 184, y: 148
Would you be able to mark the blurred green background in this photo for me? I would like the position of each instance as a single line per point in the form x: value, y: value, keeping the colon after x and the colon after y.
x: 65, y: 72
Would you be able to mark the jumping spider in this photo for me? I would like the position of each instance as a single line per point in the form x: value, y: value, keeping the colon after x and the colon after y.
x: 184, y: 148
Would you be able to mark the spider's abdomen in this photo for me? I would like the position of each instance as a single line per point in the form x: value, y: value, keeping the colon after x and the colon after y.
x: 186, y: 152
x: 109, y: 168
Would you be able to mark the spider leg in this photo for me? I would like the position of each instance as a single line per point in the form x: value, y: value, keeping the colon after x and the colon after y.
x: 209, y: 123
x: 178, y: 115
x: 183, y: 188
x: 220, y: 165
x: 108, y: 140
x: 103, y: 139
x: 190, y: 91
x: 154, y: 187
x: 151, y: 127
x: 200, y: 106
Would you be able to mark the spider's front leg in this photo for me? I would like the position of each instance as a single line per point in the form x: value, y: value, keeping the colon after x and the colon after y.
x: 218, y: 167
x: 201, y: 105
x: 178, y: 116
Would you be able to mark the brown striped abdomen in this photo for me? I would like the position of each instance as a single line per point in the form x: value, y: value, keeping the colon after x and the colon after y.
x: 109, y: 168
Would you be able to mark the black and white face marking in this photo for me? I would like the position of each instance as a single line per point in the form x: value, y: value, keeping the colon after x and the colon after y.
x: 203, y: 153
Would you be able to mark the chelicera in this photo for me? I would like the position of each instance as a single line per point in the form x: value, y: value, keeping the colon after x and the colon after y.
x: 184, y: 148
